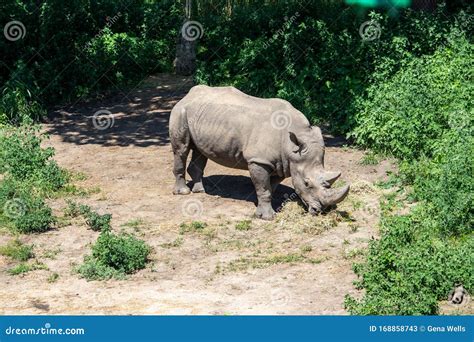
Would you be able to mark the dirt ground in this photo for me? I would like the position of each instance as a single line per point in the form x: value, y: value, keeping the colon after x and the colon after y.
x: 297, y: 264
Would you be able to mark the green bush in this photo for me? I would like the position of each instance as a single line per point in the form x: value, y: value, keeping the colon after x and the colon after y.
x: 22, y: 208
x: 29, y: 174
x: 408, y: 114
x: 94, y: 220
x: 123, y: 252
x: 17, y: 106
x: 114, y: 256
x: 98, y: 222
x: 89, y: 47
x: 93, y: 269
x: 410, y: 269
x: 22, y: 158
x: 446, y: 183
x: 423, y: 115
x: 314, y: 56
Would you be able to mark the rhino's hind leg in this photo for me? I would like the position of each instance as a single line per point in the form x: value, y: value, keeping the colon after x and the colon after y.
x: 196, y: 169
x: 261, y: 180
x: 180, y: 156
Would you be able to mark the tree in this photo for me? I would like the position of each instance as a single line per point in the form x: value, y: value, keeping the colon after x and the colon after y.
x: 185, y: 61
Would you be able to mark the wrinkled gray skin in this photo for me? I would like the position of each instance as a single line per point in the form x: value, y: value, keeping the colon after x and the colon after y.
x: 268, y: 137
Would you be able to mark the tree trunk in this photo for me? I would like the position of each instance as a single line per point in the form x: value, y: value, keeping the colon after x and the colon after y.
x: 185, y: 61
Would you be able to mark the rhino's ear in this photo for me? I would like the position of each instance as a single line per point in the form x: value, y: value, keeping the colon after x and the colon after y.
x: 300, y: 146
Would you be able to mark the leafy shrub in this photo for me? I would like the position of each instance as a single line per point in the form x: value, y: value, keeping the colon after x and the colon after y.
x: 89, y: 46
x: 410, y: 269
x: 98, y: 222
x: 29, y: 174
x: 23, y: 209
x: 93, y: 269
x: 16, y: 250
x: 38, y: 217
x: 123, y: 252
x: 423, y: 115
x: 22, y: 158
x: 407, y: 114
x: 94, y: 220
x: 446, y: 183
x: 117, y: 55
x: 114, y: 256
x: 17, y: 106
x: 306, y: 56
x: 74, y: 210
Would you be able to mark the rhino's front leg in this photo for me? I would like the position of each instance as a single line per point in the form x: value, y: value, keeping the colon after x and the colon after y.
x: 260, y: 176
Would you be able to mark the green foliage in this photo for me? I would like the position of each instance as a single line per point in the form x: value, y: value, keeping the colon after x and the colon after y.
x: 22, y: 158
x: 243, y: 225
x: 19, y: 269
x: 80, y: 47
x: 114, y: 256
x: 314, y: 56
x: 17, y: 250
x: 22, y: 208
x: 410, y: 269
x: 192, y: 227
x: 407, y: 114
x: 98, y: 222
x: 123, y: 252
x: 446, y: 183
x: 29, y: 174
x: 421, y: 256
x: 25, y: 268
x: 17, y: 106
x: 74, y: 210
x: 93, y: 269
x: 94, y: 220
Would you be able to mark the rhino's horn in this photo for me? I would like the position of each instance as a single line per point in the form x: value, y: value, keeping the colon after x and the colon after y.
x: 330, y: 177
x: 334, y: 196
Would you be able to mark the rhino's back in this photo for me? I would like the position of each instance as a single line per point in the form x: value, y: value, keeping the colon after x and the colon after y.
x: 232, y: 99
x: 230, y: 127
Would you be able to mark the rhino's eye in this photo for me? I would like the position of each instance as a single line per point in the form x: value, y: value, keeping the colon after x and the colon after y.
x: 307, y: 183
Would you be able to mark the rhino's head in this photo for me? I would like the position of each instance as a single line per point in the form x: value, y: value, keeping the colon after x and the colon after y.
x: 312, y: 183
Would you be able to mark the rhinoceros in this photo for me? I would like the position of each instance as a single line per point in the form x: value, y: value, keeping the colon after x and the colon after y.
x: 268, y: 137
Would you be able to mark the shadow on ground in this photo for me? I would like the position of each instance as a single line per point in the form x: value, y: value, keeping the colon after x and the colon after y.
x: 241, y: 188
x: 138, y: 117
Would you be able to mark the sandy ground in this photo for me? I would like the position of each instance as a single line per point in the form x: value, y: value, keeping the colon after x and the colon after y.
x: 296, y: 264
